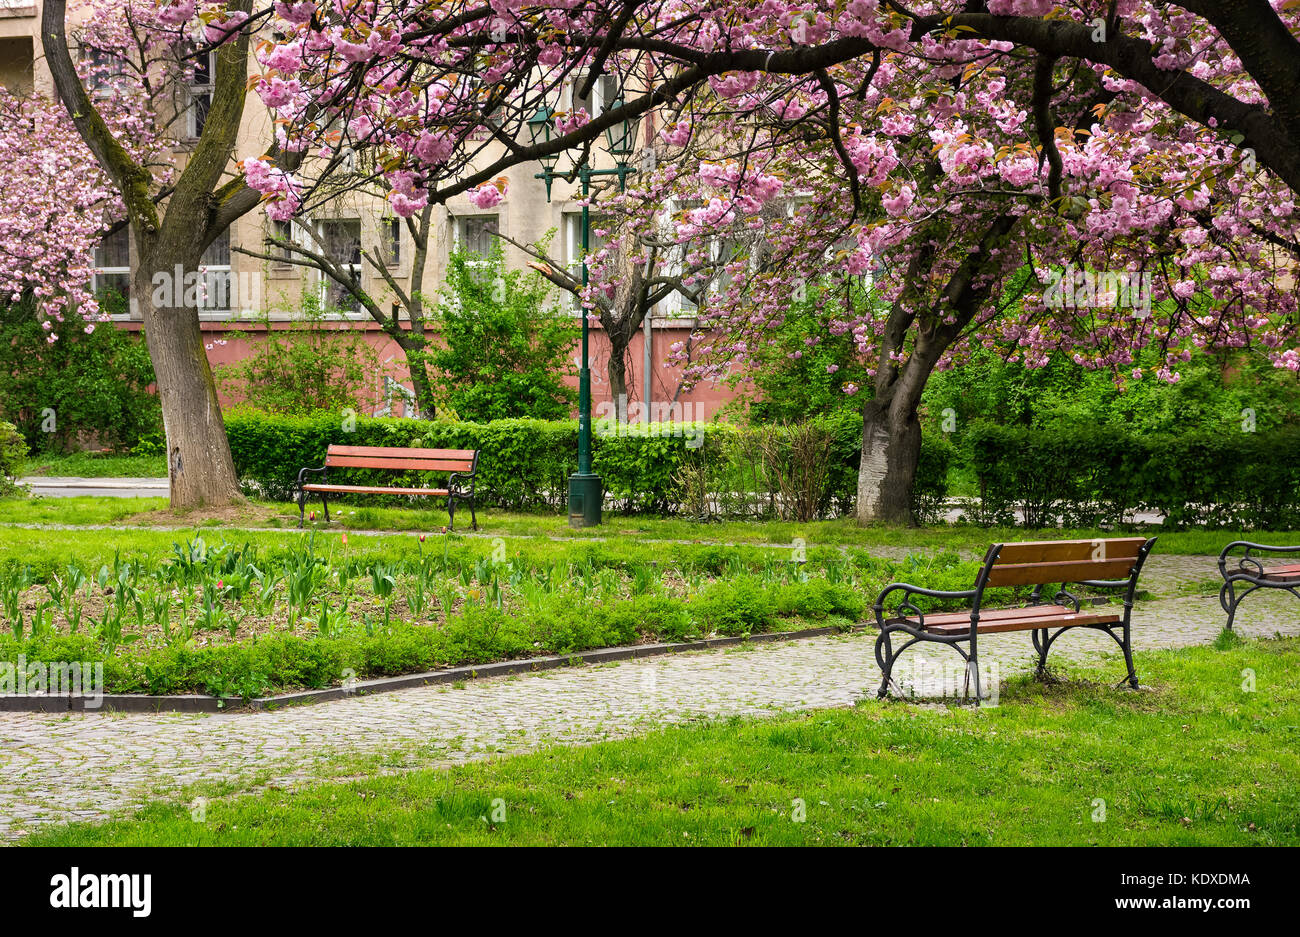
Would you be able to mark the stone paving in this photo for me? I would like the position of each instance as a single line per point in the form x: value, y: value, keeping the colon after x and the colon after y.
x: 56, y: 767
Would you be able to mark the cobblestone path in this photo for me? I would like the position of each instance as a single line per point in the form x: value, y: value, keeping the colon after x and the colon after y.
x: 57, y: 767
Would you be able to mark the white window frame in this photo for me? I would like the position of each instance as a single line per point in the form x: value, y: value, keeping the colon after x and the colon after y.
x: 210, y: 274
x: 604, y: 90
x: 194, y: 92
x: 95, y: 285
x: 324, y: 282
x: 458, y: 229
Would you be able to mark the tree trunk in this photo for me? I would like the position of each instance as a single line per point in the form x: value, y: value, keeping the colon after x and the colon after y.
x: 618, y: 374
x: 200, y: 468
x: 891, y: 449
x: 420, y: 383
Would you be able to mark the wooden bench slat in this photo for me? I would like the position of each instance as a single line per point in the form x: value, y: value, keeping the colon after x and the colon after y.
x: 362, y: 489
x: 400, y: 452
x: 398, y: 465
x: 1056, y: 551
x: 1025, y: 574
x: 994, y: 614
x: 1026, y: 624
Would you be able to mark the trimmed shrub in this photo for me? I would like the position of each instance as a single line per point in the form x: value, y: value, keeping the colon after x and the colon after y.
x: 1101, y: 475
x: 705, y: 470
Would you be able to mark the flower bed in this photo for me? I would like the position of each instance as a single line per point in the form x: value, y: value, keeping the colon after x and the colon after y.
x: 309, y: 611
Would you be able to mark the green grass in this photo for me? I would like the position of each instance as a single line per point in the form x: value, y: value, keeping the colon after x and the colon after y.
x: 97, y: 465
x: 1196, y: 761
x: 843, y: 532
x: 88, y: 510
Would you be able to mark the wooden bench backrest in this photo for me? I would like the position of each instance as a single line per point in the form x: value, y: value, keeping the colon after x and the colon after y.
x: 1052, y: 561
x: 401, y: 460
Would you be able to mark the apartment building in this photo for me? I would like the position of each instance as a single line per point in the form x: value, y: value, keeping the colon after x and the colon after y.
x: 244, y: 295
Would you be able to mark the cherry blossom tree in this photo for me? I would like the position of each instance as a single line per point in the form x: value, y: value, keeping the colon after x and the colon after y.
x: 118, y: 71
x: 47, y: 243
x: 943, y: 148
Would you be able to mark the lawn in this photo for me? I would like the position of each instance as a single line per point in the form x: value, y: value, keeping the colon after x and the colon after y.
x: 842, y: 532
x: 1195, y: 760
x: 97, y: 465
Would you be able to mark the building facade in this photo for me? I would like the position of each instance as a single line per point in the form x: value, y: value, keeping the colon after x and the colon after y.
x: 244, y: 295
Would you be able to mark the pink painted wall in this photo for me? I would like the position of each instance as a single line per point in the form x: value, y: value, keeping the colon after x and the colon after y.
x: 225, y: 346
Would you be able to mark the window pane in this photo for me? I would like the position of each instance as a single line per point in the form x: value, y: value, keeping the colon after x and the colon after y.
x: 338, y: 299
x: 218, y: 252
x: 114, y: 250
x: 595, y: 240
x: 342, y: 241
x: 200, y: 104
x: 479, y: 234
x: 282, y: 232
x: 216, y: 291
x: 108, y: 284
x: 393, y: 240
x: 203, y: 70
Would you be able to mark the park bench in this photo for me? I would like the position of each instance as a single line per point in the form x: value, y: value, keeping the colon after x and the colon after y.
x: 1113, y: 563
x: 462, y: 464
x: 1251, y: 571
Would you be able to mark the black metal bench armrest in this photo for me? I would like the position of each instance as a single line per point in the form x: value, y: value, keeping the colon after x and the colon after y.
x: 1273, y: 547
x: 304, y: 471
x: 921, y: 590
x: 908, y: 591
x: 455, y: 482
x: 1246, y: 562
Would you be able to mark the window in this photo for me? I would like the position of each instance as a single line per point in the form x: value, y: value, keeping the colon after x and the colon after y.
x: 391, y: 231
x: 477, y: 234
x: 198, y: 94
x: 282, y: 233
x: 214, y: 267
x: 604, y: 91
x: 340, y: 241
x: 106, y: 72
x: 677, y: 303
x: 113, y: 265
x: 573, y: 239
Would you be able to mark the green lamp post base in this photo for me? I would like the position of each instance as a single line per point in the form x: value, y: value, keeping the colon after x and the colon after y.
x: 586, y: 497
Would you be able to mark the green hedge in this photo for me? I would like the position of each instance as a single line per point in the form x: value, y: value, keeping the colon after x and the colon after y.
x: 1091, y: 475
x: 525, y: 463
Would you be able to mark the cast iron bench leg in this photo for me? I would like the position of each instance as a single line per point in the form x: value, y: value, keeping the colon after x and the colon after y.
x: 1128, y: 655
x: 1041, y: 645
x: 885, y: 660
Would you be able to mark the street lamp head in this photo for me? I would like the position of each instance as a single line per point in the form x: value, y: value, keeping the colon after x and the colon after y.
x: 539, y: 128
x: 621, y: 136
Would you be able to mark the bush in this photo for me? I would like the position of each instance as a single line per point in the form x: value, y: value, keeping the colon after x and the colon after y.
x: 13, y: 450
x: 96, y: 385
x: 505, y: 350
x: 307, y: 366
x: 705, y: 470
x: 1101, y: 475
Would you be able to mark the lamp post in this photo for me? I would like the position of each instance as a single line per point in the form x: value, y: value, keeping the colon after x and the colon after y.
x: 586, y: 495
